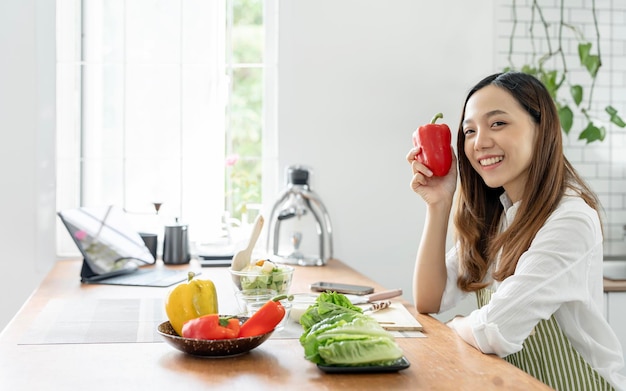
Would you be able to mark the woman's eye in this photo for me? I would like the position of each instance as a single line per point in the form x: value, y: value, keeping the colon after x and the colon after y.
x: 497, y: 124
x: 468, y: 131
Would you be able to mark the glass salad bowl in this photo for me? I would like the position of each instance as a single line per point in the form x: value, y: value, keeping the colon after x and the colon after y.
x: 263, y: 274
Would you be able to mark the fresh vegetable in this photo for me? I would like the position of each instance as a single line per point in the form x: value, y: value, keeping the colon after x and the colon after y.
x: 434, y: 140
x: 350, y: 339
x: 211, y: 326
x: 264, y: 274
x: 326, y: 305
x: 265, y: 319
x: 190, y: 300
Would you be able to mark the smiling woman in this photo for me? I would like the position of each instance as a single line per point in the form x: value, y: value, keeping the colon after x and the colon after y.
x: 528, y: 237
x: 153, y: 95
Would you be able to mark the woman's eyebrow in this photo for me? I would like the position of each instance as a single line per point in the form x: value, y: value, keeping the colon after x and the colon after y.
x: 494, y: 112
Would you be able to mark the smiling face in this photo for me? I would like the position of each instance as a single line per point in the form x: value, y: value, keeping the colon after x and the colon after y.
x: 499, y: 139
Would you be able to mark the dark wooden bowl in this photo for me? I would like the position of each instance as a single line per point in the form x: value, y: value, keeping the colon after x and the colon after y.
x: 211, y: 348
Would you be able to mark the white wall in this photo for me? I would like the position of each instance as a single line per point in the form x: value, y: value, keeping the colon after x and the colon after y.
x: 356, y: 77
x: 27, y: 195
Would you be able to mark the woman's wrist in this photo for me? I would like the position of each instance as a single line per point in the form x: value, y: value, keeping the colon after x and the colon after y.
x: 443, y: 206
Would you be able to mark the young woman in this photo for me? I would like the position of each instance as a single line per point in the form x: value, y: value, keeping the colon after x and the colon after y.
x: 528, y: 241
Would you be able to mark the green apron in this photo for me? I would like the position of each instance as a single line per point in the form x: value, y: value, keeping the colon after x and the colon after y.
x: 548, y: 356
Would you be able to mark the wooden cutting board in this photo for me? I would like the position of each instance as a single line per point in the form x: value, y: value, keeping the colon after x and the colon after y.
x: 396, y: 318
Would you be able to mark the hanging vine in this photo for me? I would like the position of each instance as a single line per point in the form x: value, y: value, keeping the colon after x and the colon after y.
x: 579, y: 98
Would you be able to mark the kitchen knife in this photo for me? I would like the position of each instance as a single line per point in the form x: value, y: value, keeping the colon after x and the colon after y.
x: 377, y: 306
x: 355, y: 299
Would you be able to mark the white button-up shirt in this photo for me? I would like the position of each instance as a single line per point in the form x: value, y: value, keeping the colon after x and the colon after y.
x: 560, y: 274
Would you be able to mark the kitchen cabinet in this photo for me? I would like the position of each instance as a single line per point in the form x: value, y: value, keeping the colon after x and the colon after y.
x: 615, y: 307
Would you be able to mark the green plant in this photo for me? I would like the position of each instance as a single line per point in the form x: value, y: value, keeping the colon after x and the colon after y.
x: 557, y: 78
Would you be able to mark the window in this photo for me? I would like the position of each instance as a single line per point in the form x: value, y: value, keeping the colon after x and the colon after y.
x: 162, y: 103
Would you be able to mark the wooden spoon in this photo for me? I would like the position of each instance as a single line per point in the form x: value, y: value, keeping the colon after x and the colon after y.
x: 241, y: 259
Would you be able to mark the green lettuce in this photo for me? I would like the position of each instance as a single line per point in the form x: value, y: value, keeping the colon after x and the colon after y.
x: 349, y: 339
x: 327, y: 304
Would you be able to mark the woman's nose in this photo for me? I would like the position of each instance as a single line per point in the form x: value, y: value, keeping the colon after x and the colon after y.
x: 482, y: 140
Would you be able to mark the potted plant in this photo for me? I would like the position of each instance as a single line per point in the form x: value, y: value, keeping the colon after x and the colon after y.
x: 553, y: 69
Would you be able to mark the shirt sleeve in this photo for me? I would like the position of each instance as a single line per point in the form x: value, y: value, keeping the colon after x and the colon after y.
x: 554, y: 270
x: 452, y: 294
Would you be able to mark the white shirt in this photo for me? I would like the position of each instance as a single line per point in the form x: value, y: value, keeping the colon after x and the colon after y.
x: 560, y: 274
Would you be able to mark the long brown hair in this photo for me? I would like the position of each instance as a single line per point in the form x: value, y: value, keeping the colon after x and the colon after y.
x: 550, y: 174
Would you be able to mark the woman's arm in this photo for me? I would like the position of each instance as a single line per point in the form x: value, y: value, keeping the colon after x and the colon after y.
x: 429, y: 276
x: 429, y: 279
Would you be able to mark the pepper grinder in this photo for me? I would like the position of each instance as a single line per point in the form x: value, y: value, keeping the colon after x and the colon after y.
x: 299, y: 230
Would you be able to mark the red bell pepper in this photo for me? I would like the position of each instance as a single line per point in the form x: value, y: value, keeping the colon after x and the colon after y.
x: 434, y: 140
x: 265, y: 319
x: 211, y: 326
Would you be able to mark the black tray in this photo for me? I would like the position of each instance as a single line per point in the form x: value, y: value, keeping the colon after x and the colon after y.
x: 398, y: 365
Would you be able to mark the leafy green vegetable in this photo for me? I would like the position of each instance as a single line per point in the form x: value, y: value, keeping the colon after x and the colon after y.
x: 276, y: 280
x: 350, y: 339
x: 264, y: 274
x: 323, y: 325
x: 328, y: 304
x: 336, y: 332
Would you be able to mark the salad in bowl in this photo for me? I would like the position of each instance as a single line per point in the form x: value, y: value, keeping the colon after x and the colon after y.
x: 263, y: 274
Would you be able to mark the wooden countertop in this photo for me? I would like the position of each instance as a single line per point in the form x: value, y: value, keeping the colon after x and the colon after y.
x: 441, y: 360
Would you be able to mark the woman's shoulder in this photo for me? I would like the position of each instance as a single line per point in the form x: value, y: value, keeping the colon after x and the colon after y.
x: 574, y: 211
x: 572, y: 202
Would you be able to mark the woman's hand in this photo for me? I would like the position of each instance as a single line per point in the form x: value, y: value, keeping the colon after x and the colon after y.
x: 431, y: 188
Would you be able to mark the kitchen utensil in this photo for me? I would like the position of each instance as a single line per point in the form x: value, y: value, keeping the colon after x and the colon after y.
x: 299, y: 230
x: 242, y: 258
x: 176, y: 244
x: 364, y: 299
x: 377, y: 306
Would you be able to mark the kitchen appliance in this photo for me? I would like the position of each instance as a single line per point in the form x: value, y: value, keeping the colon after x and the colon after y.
x: 113, y: 252
x: 176, y: 244
x: 299, y: 229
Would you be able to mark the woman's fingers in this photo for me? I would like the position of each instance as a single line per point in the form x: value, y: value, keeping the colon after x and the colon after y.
x: 410, y: 157
x: 420, y: 178
x: 416, y: 166
x: 421, y: 169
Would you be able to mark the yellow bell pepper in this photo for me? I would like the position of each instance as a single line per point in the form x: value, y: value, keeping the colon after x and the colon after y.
x: 189, y: 301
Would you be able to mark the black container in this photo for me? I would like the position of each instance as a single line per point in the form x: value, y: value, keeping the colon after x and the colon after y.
x: 176, y: 244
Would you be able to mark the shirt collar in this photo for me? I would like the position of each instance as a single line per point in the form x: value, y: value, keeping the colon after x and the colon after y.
x: 510, y: 208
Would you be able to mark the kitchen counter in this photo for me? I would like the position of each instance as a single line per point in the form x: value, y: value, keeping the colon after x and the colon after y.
x: 51, y: 344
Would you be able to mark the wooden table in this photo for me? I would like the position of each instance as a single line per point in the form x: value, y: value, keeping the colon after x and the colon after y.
x: 440, y: 361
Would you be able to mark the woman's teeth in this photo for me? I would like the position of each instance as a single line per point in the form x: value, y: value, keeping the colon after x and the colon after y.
x: 490, y: 161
